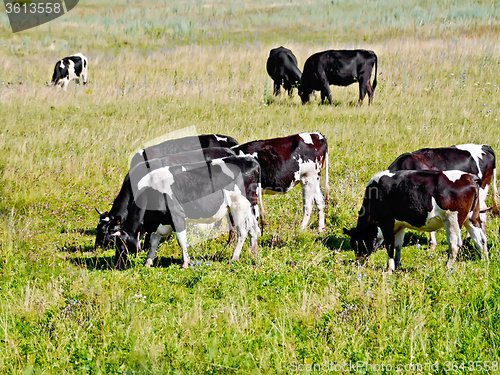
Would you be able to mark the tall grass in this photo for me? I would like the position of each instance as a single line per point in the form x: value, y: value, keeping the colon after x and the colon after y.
x: 161, y: 66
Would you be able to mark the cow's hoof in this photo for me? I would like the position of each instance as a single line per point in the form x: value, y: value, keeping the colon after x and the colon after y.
x: 149, y: 263
x: 185, y: 265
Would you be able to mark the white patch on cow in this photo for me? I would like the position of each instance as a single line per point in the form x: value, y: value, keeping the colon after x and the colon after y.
x: 453, y: 175
x: 163, y: 230
x: 160, y: 179
x: 307, y: 138
x: 61, y: 64
x: 476, y: 153
x: 220, y: 138
x: 183, y: 169
x: 376, y: 178
x: 253, y: 155
x: 224, y: 167
x: 433, y: 222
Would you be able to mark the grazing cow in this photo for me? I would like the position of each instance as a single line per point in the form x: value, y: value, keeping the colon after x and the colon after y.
x: 180, y: 145
x: 340, y: 68
x: 71, y: 67
x: 471, y: 158
x: 282, y: 68
x: 108, y: 221
x: 201, y: 192
x: 291, y: 160
x: 421, y: 200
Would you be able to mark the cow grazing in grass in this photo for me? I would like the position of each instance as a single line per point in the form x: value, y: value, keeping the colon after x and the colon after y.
x: 422, y: 201
x: 282, y: 68
x: 471, y: 158
x: 340, y: 68
x: 119, y: 210
x: 203, y: 192
x: 69, y: 68
x: 289, y: 161
x: 109, y: 221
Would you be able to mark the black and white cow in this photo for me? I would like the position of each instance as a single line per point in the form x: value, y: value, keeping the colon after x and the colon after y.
x: 69, y: 68
x: 108, y: 221
x: 203, y: 192
x: 340, y: 68
x: 421, y: 200
x: 118, y: 212
x: 282, y: 68
x: 471, y: 158
x: 290, y: 160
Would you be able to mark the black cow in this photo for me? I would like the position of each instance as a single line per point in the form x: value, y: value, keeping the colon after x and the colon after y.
x: 340, y: 68
x: 202, y: 193
x: 421, y: 200
x: 119, y: 210
x: 471, y: 158
x: 109, y: 221
x: 290, y: 160
x: 282, y: 68
x: 71, y: 67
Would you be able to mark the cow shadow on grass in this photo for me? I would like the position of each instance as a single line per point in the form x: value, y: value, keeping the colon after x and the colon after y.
x: 95, y: 263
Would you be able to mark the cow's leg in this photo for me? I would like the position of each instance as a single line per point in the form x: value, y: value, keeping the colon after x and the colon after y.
x: 320, y: 205
x: 84, y: 76
x: 453, y: 236
x: 182, y: 241
x: 388, y: 232
x: 65, y: 83
x: 253, y: 230
x: 231, y: 240
x: 240, y: 207
x: 399, y: 238
x: 308, y: 192
x: 362, y: 90
x: 483, y: 193
x: 277, y: 87
x: 432, y: 241
x: 121, y: 254
x: 478, y: 236
x: 162, y: 231
x: 246, y: 219
x: 326, y: 94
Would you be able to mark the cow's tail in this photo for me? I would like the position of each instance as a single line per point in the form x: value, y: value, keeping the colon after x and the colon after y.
x: 326, y: 185
x: 262, y: 215
x: 375, y: 78
x: 496, y: 204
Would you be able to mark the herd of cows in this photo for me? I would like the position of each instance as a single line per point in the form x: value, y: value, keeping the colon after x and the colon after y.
x: 201, y: 179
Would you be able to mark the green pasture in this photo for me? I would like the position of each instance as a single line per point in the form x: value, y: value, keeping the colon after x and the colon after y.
x: 303, y: 305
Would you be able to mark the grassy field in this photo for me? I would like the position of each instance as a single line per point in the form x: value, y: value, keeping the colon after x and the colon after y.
x: 303, y: 304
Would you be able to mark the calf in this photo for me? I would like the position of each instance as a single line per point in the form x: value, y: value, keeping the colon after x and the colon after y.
x: 419, y: 200
x: 291, y: 160
x: 71, y: 67
x: 108, y: 221
x: 202, y: 192
x: 340, y: 68
x: 282, y: 68
x: 471, y: 158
